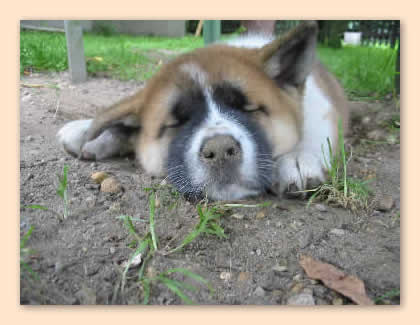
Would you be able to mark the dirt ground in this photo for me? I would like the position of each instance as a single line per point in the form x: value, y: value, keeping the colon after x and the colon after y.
x: 80, y: 260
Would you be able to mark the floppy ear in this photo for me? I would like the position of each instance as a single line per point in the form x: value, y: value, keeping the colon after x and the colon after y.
x: 125, y: 113
x: 289, y: 59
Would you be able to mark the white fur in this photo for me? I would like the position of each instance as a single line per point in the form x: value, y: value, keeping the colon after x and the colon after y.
x: 71, y: 135
x: 309, y: 158
x: 251, y: 41
x: 153, y: 156
x: 230, y: 192
x: 196, y: 73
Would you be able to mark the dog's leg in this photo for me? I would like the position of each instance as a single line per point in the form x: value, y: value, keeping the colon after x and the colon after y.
x: 114, y: 141
x: 304, y: 167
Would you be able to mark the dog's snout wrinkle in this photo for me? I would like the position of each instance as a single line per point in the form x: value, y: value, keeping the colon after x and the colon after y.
x: 220, y: 149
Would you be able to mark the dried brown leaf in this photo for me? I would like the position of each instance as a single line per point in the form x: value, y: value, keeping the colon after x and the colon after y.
x: 348, y: 285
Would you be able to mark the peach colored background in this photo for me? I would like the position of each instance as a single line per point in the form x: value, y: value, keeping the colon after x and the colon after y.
x: 13, y: 313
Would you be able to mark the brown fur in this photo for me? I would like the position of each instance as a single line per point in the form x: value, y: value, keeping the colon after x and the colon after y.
x: 246, y: 68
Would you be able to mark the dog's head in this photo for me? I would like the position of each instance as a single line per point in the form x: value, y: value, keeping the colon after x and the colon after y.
x: 214, y: 119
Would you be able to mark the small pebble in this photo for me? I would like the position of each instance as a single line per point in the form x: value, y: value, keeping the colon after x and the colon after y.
x: 337, y: 301
x: 280, y: 268
x: 302, y: 299
x: 297, y: 288
x: 86, y: 296
x: 244, y: 276
x: 337, y: 232
x: 157, y: 203
x: 115, y: 207
x: 90, y: 201
x: 91, y: 186
x: 375, y: 135
x: 29, y: 138
x: 134, y: 262
x: 111, y: 185
x: 237, y: 216
x: 259, y: 292
x: 99, y: 177
x: 392, y: 139
x: 385, y: 203
x: 321, y: 207
x: 226, y: 276
x: 260, y: 215
x: 366, y: 120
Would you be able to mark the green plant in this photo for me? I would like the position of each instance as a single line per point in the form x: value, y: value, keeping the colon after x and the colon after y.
x: 340, y: 189
x: 366, y: 72
x: 209, y: 223
x: 177, y: 287
x: 104, y: 28
x: 24, y: 252
x: 147, y: 247
x: 394, y: 293
x: 61, y: 192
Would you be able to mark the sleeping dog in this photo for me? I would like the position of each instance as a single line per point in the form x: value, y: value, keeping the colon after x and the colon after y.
x: 227, y: 121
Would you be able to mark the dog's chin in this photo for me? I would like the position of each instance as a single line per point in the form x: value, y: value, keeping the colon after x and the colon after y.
x: 216, y: 186
x: 217, y: 192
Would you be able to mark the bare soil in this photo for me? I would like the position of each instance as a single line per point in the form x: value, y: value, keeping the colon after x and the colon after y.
x: 80, y: 260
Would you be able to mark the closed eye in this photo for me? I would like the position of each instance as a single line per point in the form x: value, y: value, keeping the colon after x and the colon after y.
x: 252, y: 108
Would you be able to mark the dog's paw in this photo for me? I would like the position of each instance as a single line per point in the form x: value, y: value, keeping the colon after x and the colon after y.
x: 298, y: 171
x: 110, y: 143
x: 71, y: 136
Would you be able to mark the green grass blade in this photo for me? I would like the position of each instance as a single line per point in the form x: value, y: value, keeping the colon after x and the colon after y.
x: 129, y: 224
x: 152, y: 220
x: 29, y: 270
x: 173, y: 286
x: 343, y: 155
x: 190, y: 274
x: 142, y: 247
x: 62, y: 186
x: 146, y: 291
x: 36, y: 207
x: 390, y: 294
x: 26, y: 237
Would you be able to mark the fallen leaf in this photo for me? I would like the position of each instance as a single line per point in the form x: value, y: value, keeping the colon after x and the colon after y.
x: 348, y: 285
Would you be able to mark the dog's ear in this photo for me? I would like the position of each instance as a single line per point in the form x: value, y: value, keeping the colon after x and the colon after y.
x: 289, y: 59
x: 125, y: 113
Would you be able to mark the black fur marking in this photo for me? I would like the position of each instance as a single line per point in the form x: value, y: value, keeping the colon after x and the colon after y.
x: 230, y: 96
x: 262, y: 108
x: 190, y: 104
x: 187, y: 105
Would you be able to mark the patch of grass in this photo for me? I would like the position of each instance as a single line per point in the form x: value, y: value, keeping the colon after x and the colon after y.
x: 177, y: 287
x: 340, y: 189
x: 119, y: 56
x: 363, y: 71
x: 147, y: 247
x: 209, y: 223
x: 42, y: 51
x: 25, y: 252
x: 62, y: 192
x: 394, y: 293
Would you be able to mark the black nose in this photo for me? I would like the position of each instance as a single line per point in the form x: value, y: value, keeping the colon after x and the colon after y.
x: 220, y: 149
